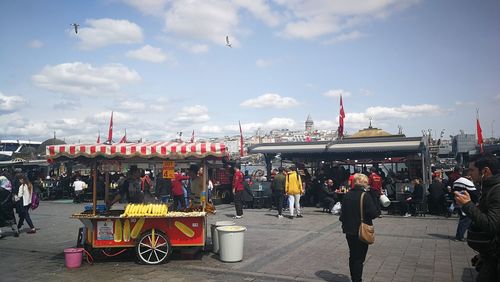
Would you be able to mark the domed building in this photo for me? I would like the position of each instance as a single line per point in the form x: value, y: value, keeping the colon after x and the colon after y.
x: 373, y: 132
x: 52, y: 141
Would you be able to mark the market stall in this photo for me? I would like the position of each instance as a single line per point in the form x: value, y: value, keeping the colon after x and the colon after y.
x: 150, y: 228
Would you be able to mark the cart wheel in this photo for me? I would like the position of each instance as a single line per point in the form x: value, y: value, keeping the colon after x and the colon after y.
x: 155, y: 251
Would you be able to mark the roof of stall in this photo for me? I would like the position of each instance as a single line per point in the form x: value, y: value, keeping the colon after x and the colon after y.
x: 149, y: 150
x: 355, y: 147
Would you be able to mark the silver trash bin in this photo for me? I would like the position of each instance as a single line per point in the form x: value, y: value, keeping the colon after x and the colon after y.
x: 215, y: 237
x: 231, y: 239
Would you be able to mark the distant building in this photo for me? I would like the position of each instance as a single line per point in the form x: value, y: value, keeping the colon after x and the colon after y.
x: 309, y: 124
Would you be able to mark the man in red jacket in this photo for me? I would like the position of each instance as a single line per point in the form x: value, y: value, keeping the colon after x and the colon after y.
x: 238, y: 191
x: 177, y: 190
x: 375, y: 183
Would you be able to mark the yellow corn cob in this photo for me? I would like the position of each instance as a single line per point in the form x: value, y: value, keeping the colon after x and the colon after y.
x: 184, y: 229
x: 118, y: 230
x: 126, y: 230
x: 137, y: 228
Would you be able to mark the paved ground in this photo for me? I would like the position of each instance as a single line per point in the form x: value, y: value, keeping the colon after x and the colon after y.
x: 312, y: 248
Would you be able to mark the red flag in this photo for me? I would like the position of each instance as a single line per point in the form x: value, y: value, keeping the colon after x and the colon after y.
x: 192, y: 137
x: 341, y: 119
x: 98, y: 138
x: 242, y: 152
x: 479, y: 135
x: 124, y: 138
x: 110, y: 132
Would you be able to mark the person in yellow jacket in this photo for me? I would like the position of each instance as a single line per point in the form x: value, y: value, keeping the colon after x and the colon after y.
x: 293, y: 188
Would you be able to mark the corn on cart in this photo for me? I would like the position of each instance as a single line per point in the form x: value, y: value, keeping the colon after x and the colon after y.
x: 150, y: 229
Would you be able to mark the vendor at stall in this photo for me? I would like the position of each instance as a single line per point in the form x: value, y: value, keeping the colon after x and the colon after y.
x: 195, y: 175
x: 130, y: 190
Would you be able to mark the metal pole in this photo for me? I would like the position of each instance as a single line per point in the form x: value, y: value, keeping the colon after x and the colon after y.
x: 204, y: 178
x: 94, y: 187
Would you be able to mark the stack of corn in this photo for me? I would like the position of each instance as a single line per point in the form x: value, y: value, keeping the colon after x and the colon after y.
x: 138, y: 210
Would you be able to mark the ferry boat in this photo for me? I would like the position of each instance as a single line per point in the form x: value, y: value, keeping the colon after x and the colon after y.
x: 9, y: 147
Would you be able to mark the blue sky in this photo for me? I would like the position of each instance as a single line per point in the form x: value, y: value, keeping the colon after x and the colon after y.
x: 163, y: 66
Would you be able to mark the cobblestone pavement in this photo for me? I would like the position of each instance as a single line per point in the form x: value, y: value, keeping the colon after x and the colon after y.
x: 311, y: 248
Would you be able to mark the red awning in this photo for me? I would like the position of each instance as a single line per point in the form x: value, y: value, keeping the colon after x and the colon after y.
x: 166, y: 150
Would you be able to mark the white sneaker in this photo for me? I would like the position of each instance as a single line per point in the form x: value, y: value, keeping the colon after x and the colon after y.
x: 280, y: 216
x: 237, y: 216
x: 407, y: 215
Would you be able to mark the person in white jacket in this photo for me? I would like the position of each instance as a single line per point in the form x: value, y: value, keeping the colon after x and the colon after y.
x: 24, y: 196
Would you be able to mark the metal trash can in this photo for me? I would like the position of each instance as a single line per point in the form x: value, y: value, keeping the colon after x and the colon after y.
x: 215, y: 234
x: 231, y: 239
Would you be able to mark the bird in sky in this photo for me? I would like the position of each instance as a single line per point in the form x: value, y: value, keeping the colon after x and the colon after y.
x: 227, y: 42
x: 75, y: 25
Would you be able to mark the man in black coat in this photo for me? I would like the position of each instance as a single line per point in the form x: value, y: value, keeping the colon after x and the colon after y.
x: 351, y: 219
x: 485, y: 172
x: 437, y: 199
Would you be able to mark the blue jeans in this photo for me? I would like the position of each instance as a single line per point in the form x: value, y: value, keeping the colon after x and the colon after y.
x: 164, y: 199
x: 463, y: 224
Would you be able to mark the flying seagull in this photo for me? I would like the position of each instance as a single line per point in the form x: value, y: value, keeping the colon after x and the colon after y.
x: 227, y: 42
x: 75, y: 25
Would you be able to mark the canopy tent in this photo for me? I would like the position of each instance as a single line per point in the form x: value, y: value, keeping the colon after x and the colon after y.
x: 162, y: 150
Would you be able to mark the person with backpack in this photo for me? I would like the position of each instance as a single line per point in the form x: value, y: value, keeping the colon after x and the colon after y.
x: 23, y: 198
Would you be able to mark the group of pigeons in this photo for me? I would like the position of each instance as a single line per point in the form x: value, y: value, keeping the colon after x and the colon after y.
x: 75, y: 26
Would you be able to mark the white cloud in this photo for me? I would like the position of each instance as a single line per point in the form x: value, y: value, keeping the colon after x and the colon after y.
x: 335, y: 93
x: 208, y: 20
x: 17, y: 126
x: 313, y: 19
x: 261, y: 10
x: 193, y: 114
x: 461, y: 103
x: 66, y: 106
x: 148, y: 53
x: 36, y: 44
x: 83, y: 79
x: 353, y: 35
x: 148, y: 7
x: 132, y: 106
x: 270, y: 100
x: 104, y: 32
x: 404, y: 111
x: 262, y: 63
x: 9, y: 104
x: 211, y: 129
x: 326, y: 124
x: 274, y: 123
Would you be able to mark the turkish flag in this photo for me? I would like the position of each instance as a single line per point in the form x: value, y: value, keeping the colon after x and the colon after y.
x: 341, y: 119
x: 479, y: 135
x: 110, y: 132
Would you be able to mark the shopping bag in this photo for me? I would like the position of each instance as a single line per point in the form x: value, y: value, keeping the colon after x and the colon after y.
x: 336, y: 208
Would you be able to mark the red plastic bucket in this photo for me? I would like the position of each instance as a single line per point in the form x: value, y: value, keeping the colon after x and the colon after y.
x: 73, y: 257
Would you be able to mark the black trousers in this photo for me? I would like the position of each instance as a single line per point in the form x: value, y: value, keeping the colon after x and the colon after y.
x: 279, y: 197
x: 490, y: 270
x: 357, y: 255
x: 178, y: 202
x: 25, y: 215
x: 238, y: 202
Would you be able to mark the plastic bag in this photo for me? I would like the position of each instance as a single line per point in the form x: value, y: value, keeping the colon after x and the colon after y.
x: 336, y: 208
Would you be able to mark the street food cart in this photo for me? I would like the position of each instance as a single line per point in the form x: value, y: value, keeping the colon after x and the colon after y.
x: 150, y: 228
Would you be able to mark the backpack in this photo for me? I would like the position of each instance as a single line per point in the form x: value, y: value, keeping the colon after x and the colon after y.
x: 35, y: 200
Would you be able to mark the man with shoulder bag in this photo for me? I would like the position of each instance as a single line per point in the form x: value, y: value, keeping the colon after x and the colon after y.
x: 484, y: 233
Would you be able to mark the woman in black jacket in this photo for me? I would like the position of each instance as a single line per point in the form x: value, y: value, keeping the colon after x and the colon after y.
x: 351, y: 219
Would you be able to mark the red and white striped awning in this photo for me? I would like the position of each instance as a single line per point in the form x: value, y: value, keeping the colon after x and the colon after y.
x: 165, y: 150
